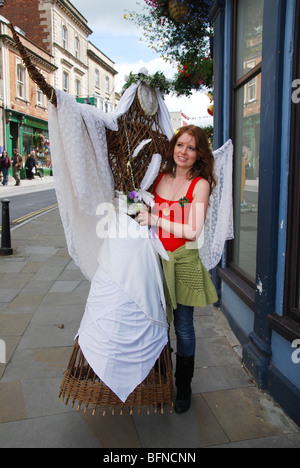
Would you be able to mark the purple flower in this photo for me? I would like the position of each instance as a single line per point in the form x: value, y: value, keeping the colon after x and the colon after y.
x: 132, y: 195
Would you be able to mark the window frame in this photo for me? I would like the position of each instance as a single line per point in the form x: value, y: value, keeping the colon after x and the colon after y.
x: 107, y: 84
x: 77, y: 47
x: 293, y: 227
x: 236, y: 278
x: 98, y: 101
x: 251, y: 89
x: 97, y: 78
x: 21, y: 84
x: 39, y: 97
x: 64, y: 36
x: 67, y: 76
x: 288, y: 325
x: 77, y: 88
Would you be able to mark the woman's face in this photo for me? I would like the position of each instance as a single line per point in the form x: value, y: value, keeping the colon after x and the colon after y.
x: 185, y: 154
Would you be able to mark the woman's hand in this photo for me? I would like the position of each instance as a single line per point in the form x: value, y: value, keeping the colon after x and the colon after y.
x: 144, y: 218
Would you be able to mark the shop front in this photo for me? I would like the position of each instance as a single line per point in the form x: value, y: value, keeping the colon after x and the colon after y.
x: 27, y: 133
x: 256, y: 92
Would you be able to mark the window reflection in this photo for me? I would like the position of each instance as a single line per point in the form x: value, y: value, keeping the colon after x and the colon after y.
x: 246, y: 177
x: 247, y: 132
x: 249, y: 39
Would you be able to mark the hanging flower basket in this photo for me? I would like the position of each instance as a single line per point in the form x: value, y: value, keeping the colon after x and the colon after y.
x: 196, y: 79
x: 178, y: 11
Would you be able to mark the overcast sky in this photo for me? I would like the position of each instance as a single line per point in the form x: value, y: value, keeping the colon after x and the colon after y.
x: 119, y: 39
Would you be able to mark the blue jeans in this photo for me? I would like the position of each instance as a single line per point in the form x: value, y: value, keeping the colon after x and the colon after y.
x: 184, y: 329
x: 4, y: 172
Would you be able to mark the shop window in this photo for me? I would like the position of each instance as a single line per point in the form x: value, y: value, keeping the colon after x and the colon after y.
x: 246, y: 102
x: 99, y: 102
x: 288, y: 324
x: 292, y: 285
x: 249, y: 27
x: 108, y: 106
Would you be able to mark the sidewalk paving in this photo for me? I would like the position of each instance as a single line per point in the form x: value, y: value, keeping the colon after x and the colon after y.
x: 42, y: 299
x: 26, y: 186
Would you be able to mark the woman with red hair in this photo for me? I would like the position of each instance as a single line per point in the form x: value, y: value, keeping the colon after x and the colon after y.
x: 181, y: 195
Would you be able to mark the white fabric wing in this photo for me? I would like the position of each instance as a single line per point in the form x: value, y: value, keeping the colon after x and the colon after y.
x: 82, y: 175
x: 218, y: 225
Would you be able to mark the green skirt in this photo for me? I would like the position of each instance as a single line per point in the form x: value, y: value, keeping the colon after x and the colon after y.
x: 186, y: 281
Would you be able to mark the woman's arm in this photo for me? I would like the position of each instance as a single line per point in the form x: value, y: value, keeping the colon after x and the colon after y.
x: 192, y: 229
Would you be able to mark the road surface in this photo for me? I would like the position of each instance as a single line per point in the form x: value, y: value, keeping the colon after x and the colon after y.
x: 27, y: 205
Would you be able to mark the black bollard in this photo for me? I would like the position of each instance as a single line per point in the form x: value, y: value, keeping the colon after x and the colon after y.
x: 6, y: 248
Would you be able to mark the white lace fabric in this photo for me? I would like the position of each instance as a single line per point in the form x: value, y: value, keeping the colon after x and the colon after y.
x: 218, y: 227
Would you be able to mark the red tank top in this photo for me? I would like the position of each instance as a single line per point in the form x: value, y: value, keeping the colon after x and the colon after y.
x: 178, y: 214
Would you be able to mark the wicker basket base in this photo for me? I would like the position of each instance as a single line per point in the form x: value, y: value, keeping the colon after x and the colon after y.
x: 80, y: 384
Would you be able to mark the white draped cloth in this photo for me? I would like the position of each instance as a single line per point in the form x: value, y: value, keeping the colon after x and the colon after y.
x: 124, y: 327
x: 218, y: 227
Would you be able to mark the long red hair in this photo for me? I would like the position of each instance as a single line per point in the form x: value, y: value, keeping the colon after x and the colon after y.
x: 204, y: 166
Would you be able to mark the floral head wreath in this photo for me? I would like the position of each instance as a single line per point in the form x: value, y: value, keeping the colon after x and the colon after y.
x: 157, y: 81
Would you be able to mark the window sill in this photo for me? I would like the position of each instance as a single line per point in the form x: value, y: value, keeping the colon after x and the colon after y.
x: 40, y: 106
x: 284, y: 326
x: 239, y: 286
x: 21, y: 99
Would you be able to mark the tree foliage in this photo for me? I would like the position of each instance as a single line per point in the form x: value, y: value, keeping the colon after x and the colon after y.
x: 183, y: 42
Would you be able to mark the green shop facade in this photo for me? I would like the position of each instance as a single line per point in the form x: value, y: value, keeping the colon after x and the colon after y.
x: 27, y: 133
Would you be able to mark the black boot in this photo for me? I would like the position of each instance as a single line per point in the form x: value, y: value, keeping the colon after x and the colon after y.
x: 184, y: 374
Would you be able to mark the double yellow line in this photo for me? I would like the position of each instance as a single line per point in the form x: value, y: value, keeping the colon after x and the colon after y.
x: 31, y: 215
x: 17, y: 221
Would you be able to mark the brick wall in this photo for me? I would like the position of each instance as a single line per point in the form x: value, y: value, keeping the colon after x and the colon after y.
x: 28, y: 104
x: 26, y: 15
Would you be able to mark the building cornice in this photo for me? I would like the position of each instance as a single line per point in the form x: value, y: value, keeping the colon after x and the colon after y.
x: 101, y: 62
x: 36, y: 58
x: 73, y: 13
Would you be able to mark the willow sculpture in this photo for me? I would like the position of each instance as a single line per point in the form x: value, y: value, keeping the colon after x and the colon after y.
x: 80, y: 383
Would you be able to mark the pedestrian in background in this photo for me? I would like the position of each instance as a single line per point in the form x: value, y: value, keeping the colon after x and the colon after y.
x: 30, y: 166
x: 5, y: 166
x: 17, y: 164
